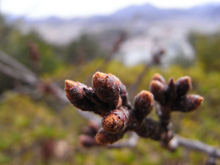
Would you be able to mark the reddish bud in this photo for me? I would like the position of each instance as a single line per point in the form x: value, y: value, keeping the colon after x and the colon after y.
x: 104, y: 137
x: 158, y: 77
x: 183, y: 85
x: 143, y: 104
x: 76, y: 95
x: 188, y: 103
x: 116, y: 121
x: 106, y: 87
x: 158, y: 89
x: 171, y: 90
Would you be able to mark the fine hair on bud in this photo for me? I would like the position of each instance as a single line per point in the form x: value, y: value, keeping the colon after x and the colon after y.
x: 116, y: 121
x: 183, y: 85
x: 158, y: 89
x: 188, y: 103
x: 106, y: 87
x: 76, y: 95
x: 104, y: 137
x: 143, y: 104
x: 158, y: 77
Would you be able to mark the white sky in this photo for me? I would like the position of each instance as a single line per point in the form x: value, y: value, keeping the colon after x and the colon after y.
x: 83, y: 8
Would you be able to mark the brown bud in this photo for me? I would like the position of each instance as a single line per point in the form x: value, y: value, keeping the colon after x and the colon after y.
x: 158, y: 89
x: 87, y: 141
x: 123, y: 91
x: 106, y: 87
x: 76, y: 95
x: 116, y: 121
x: 158, y: 77
x: 171, y: 90
x: 188, y: 103
x: 143, y: 104
x: 90, y: 94
x: 104, y: 137
x: 183, y: 85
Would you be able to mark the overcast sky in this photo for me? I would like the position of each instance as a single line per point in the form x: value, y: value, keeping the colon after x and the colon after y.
x: 83, y: 8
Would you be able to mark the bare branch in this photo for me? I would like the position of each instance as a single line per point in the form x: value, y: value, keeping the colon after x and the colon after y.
x: 131, y: 142
x: 7, y: 59
x: 18, y: 71
x: 18, y: 75
x: 195, y: 145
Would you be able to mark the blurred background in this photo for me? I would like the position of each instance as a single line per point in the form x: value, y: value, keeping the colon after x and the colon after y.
x: 44, y: 42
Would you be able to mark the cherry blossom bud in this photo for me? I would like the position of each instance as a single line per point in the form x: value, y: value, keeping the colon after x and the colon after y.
x: 116, y: 121
x: 76, y: 95
x: 158, y: 89
x: 188, y: 103
x: 183, y: 85
x: 106, y: 88
x: 158, y: 77
x: 104, y: 137
x: 143, y: 104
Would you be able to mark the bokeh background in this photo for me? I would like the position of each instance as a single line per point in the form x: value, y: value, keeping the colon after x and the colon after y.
x: 43, y: 42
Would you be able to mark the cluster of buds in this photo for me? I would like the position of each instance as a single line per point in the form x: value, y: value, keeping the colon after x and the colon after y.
x: 108, y: 98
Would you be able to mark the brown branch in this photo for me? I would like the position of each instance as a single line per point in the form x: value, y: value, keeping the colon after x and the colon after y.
x: 156, y: 60
x: 18, y: 71
x: 16, y: 74
x: 195, y: 145
x: 13, y: 63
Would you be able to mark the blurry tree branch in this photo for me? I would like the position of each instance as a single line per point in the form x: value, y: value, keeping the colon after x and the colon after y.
x: 12, y: 68
x: 156, y: 60
x: 196, y: 145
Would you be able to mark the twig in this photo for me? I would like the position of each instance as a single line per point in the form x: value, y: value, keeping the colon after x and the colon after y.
x: 131, y: 142
x: 18, y: 71
x: 18, y: 75
x: 5, y: 58
x: 195, y: 145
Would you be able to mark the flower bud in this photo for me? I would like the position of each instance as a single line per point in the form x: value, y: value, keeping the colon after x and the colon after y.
x: 171, y: 90
x: 158, y: 89
x: 183, y: 85
x: 158, y: 77
x: 104, y: 137
x: 76, y: 95
x: 143, y: 104
x: 116, y: 121
x: 90, y: 94
x: 123, y: 91
x: 106, y: 88
x: 188, y: 103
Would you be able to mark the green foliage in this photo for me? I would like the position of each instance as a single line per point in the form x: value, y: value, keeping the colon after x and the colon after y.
x: 83, y: 49
x: 207, y: 50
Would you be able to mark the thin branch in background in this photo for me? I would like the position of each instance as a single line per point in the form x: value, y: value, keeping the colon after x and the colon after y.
x: 156, y: 60
x: 13, y: 63
x: 18, y: 71
x: 195, y: 145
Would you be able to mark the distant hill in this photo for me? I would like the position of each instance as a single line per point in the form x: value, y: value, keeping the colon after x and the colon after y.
x: 146, y: 25
x: 147, y: 14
